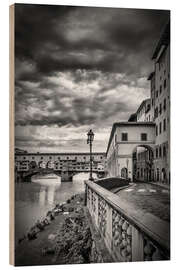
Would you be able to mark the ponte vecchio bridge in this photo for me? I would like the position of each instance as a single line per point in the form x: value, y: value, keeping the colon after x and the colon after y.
x: 63, y: 164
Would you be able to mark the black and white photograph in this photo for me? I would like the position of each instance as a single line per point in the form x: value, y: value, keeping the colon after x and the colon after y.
x: 91, y: 153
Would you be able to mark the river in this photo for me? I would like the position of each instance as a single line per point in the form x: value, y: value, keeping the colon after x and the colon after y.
x: 34, y: 199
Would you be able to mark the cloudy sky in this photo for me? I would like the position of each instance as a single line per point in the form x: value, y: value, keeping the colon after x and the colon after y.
x: 78, y: 68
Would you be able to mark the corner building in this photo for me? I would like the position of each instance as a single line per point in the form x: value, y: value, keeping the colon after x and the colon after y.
x: 160, y: 100
x: 157, y: 110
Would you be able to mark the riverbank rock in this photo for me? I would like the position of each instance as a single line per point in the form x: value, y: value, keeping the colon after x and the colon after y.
x: 73, y: 242
x: 66, y: 240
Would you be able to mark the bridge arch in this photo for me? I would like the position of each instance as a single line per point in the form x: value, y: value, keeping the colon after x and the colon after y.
x: 81, y: 176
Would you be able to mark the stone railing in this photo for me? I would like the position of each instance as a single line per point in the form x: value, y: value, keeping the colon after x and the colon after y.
x: 129, y: 234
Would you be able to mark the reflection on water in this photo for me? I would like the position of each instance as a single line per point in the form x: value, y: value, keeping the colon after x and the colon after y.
x: 33, y: 200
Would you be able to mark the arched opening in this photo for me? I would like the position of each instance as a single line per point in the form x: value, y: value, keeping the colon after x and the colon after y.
x: 32, y: 165
x: 42, y: 165
x: 50, y: 165
x: 124, y: 172
x: 164, y: 175
x: 157, y: 175
x: 142, y: 163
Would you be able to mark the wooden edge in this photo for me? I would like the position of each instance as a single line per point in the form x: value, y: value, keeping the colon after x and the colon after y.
x: 11, y: 135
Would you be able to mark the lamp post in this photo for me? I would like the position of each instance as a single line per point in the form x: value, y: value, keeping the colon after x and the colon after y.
x: 90, y: 139
x: 127, y: 163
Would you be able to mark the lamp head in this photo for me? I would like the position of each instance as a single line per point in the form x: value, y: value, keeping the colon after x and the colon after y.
x: 90, y: 136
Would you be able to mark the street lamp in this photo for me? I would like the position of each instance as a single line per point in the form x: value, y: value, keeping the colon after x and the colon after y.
x: 127, y: 163
x: 90, y: 139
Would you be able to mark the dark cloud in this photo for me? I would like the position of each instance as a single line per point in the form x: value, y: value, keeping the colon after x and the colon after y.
x: 59, y: 38
x: 81, y: 66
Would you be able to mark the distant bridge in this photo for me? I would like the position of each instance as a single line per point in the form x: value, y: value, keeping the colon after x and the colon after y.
x: 66, y: 176
x: 65, y: 165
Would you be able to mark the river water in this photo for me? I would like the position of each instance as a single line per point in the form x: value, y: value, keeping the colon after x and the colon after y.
x: 34, y: 199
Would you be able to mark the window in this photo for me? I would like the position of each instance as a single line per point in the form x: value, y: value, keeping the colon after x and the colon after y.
x: 124, y: 137
x: 164, y: 124
x: 156, y: 93
x: 164, y: 106
x: 156, y: 112
x: 160, y: 108
x: 160, y: 154
x: 164, y: 151
x: 164, y: 83
x: 32, y: 157
x: 41, y: 157
x: 143, y: 136
x: 160, y: 128
x: 156, y: 152
x: 156, y: 130
x: 160, y: 90
x: 152, y: 102
x: 50, y: 157
x: 24, y: 157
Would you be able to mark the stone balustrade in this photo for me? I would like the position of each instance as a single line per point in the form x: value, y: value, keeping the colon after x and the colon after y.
x: 129, y: 234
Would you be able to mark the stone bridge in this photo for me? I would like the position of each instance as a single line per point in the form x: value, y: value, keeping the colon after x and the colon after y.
x: 66, y: 176
x: 127, y: 233
x: 65, y: 165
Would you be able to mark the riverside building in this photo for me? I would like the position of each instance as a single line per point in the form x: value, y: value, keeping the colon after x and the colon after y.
x: 160, y: 89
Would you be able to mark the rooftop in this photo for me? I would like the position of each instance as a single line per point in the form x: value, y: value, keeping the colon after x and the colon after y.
x: 164, y: 40
x: 143, y: 103
x: 59, y: 154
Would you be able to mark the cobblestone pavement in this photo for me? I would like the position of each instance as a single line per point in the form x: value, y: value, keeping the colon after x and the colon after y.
x: 150, y: 198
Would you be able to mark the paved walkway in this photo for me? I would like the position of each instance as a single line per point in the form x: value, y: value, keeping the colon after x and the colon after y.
x: 161, y: 185
x: 149, y: 198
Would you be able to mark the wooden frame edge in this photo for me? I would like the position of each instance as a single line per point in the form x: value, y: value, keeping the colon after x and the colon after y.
x: 11, y: 135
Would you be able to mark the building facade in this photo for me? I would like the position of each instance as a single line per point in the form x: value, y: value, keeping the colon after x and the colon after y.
x: 144, y: 112
x: 124, y: 140
x: 148, y: 163
x: 161, y: 58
